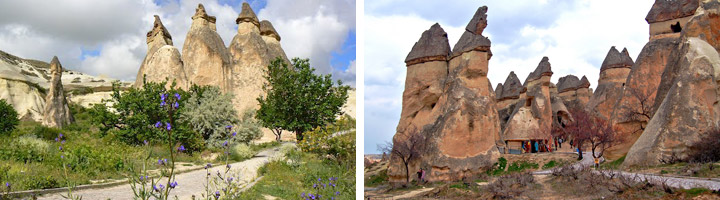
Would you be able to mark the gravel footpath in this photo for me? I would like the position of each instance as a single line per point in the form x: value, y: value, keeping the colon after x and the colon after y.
x: 190, y: 183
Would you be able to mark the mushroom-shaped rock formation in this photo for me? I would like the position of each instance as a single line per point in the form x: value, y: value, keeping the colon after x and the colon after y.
x: 573, y: 91
x: 205, y: 58
x: 472, y: 39
x: 162, y: 61
x: 247, y: 15
x: 57, y: 113
x: 272, y: 41
x: 668, y: 18
x: 509, y: 96
x: 532, y: 117
x: 250, y: 56
x: 462, y: 130
x: 689, y: 110
x: 432, y: 46
x: 613, y: 74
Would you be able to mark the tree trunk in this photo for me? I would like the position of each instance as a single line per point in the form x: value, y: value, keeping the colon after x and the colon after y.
x: 407, y: 174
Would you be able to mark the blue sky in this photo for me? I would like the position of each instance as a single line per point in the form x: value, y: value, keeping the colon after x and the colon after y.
x: 575, y: 34
x: 108, y: 37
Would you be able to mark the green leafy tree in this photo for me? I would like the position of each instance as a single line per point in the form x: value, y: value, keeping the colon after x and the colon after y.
x: 9, y: 117
x: 297, y: 99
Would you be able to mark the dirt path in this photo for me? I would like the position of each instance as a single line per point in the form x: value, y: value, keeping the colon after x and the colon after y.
x: 677, y: 182
x: 190, y: 183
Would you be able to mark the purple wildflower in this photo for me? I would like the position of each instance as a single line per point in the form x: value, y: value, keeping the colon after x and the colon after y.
x: 228, y: 127
x: 165, y: 160
x: 302, y: 195
x: 181, y: 148
x: 162, y: 97
x: 158, y: 124
x: 60, y: 148
x: 208, y: 166
x: 57, y: 139
x: 228, y: 166
x: 176, y: 105
x: 141, y: 178
x: 234, y: 134
x: 319, y: 179
x: 337, y: 193
x: 177, y: 96
x: 162, y: 103
x: 168, y: 126
x: 315, y: 185
x: 62, y: 157
x: 145, y: 142
x: 62, y: 142
x: 7, y: 184
x: 217, y: 194
x: 230, y: 179
x: 225, y: 143
x: 173, y: 184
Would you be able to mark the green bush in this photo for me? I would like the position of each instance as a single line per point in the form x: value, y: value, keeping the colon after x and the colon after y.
x: 321, y: 141
x: 242, y: 152
x: 9, y: 118
x: 40, y: 182
x: 45, y: 133
x: 499, y: 167
x: 25, y: 149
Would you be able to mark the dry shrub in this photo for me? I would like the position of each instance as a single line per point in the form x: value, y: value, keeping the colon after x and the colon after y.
x: 511, y: 186
x: 706, y: 149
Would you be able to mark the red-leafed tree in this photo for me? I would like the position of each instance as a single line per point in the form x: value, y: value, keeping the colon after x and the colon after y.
x: 587, y: 128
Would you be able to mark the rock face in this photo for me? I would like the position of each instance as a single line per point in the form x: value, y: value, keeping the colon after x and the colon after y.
x: 574, y: 92
x: 250, y: 57
x: 705, y: 24
x: 689, y: 109
x: 57, y: 113
x: 163, y: 61
x: 461, y: 140
x: 638, y: 97
x: 532, y: 117
x: 613, y: 74
x: 668, y: 18
x: 205, y: 58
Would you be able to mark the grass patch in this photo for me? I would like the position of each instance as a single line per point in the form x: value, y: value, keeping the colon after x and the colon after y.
x: 615, y: 164
x: 550, y: 164
x: 693, y: 192
x: 377, y: 179
x: 521, y: 166
x: 459, y: 186
x: 286, y: 180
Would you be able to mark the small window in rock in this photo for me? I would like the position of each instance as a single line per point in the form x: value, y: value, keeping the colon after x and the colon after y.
x: 528, y: 101
x: 676, y: 27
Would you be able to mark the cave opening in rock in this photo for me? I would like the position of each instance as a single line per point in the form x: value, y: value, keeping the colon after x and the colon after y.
x: 676, y: 28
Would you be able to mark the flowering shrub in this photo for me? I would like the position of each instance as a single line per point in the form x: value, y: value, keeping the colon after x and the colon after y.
x: 335, y: 140
x: 322, y: 189
x: 133, y: 109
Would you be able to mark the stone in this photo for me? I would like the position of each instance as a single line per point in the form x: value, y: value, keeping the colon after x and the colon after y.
x: 705, y: 24
x: 640, y: 91
x: 247, y: 15
x: 162, y: 61
x: 664, y: 10
x: 461, y: 130
x: 498, y: 90
x: 249, y: 54
x: 689, y: 110
x: 613, y: 74
x: 432, y: 46
x: 57, y: 113
x: 512, y: 87
x: 472, y: 39
x: 543, y: 69
x: 205, y: 58
x: 574, y: 92
x: 272, y: 41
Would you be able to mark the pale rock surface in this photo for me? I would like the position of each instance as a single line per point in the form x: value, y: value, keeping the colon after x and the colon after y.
x: 162, y: 61
x: 205, y: 59
x: 249, y: 54
x: 613, y: 74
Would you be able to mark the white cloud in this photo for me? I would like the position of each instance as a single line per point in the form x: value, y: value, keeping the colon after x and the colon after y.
x: 347, y: 76
x: 312, y: 29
